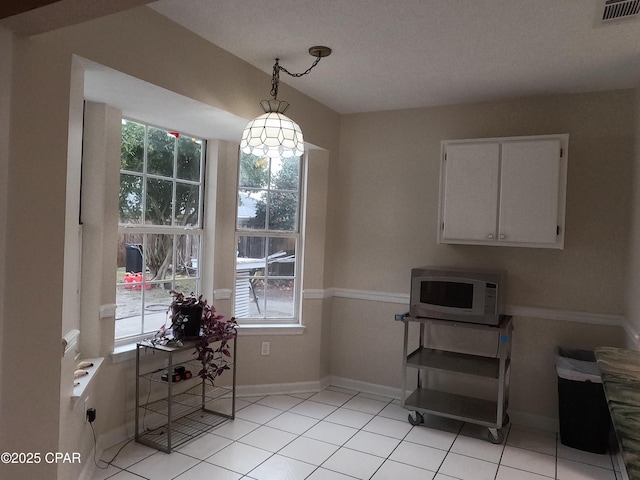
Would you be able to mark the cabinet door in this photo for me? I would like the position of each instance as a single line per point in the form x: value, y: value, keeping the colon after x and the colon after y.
x: 529, y: 192
x: 470, y: 186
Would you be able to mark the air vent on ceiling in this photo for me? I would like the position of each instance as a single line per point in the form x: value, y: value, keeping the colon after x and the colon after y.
x: 620, y: 9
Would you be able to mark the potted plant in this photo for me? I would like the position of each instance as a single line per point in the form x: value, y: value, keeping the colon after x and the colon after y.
x: 186, y: 315
x: 193, y: 318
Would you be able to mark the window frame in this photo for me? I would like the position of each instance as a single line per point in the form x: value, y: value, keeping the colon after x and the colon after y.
x: 297, y: 235
x: 143, y: 229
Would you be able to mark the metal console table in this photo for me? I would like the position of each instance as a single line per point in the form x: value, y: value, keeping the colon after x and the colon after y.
x: 424, y: 400
x: 169, y: 413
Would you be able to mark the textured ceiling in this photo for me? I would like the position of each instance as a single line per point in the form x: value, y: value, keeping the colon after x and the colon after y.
x: 414, y: 53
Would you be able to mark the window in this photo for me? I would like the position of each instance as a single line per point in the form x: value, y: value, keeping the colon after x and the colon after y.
x: 160, y: 227
x: 268, y: 239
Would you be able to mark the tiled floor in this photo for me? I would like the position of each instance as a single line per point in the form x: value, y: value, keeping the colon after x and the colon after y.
x: 339, y: 434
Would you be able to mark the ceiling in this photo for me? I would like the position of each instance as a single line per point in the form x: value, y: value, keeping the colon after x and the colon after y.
x: 395, y: 55
x: 415, y: 53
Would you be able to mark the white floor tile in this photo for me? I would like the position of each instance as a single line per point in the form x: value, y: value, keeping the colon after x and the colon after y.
x: 239, y: 457
x: 281, y: 402
x: 282, y: 468
x: 324, y: 474
x: 123, y: 475
x: 204, y: 446
x: 340, y: 434
x: 419, y: 456
x: 309, y: 450
x: 570, y: 470
x: 529, y: 461
x: 431, y: 437
x: 373, y: 396
x: 352, y: 463
x: 330, y: 397
x: 331, y: 433
x: 313, y: 409
x: 268, y: 438
x: 161, y: 466
x: 391, y: 470
x: 602, y: 461
x: 235, y: 429
x: 442, y: 423
x: 292, y: 423
x: 205, y: 470
x: 131, y: 453
x: 103, y: 473
x: 478, y: 448
x: 508, y: 473
x: 395, y: 411
x: 467, y: 468
x: 532, y: 439
x: 367, y: 442
x: 258, y: 413
x: 349, y: 418
x: 388, y: 426
x: 365, y: 405
x: 303, y: 395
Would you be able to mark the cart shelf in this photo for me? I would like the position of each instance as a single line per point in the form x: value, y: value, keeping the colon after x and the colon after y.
x: 452, y: 405
x: 494, y: 369
x: 453, y: 362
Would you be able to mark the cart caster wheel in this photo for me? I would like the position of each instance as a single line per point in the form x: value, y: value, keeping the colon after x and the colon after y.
x: 498, y: 438
x: 416, y: 418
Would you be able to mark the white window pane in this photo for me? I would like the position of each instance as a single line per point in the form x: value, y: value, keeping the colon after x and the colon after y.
x: 279, y: 298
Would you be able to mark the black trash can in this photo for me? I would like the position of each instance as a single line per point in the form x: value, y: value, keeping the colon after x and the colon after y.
x: 584, y: 416
x: 133, y: 257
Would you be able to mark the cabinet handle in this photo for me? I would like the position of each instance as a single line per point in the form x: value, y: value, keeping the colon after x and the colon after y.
x: 490, y: 236
x: 502, y: 236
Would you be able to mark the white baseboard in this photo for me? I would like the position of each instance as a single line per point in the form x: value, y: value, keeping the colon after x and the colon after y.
x: 359, y: 386
x: 281, y: 388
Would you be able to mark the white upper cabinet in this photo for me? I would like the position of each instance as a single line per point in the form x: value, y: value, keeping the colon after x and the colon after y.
x: 504, y: 191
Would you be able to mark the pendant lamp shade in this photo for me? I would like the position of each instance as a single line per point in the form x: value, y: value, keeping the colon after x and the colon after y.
x: 272, y: 135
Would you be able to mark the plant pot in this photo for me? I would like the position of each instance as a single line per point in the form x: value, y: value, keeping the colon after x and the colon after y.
x: 192, y: 319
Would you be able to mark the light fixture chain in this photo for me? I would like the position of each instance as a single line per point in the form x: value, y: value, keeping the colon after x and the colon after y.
x: 303, y: 73
x: 275, y: 78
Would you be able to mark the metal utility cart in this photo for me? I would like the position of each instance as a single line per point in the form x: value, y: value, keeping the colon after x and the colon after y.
x: 424, y: 400
x: 170, y: 413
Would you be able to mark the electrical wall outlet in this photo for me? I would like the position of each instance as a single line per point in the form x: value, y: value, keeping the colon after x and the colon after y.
x: 265, y: 348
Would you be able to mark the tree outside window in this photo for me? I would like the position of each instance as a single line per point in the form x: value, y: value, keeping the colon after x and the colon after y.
x: 160, y: 224
x: 268, y: 226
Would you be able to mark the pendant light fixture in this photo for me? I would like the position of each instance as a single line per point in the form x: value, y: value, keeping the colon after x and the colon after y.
x: 273, y: 134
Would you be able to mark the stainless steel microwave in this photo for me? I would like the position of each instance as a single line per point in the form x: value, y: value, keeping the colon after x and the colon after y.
x: 463, y: 295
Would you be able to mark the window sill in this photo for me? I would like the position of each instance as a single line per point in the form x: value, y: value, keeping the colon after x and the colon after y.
x: 274, y: 329
x: 127, y: 352
x: 83, y: 382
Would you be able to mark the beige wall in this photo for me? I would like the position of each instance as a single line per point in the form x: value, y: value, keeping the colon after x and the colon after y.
x: 34, y: 403
x: 632, y: 312
x: 387, y: 198
x: 385, y: 218
x: 6, y: 60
